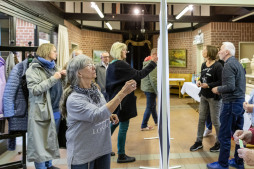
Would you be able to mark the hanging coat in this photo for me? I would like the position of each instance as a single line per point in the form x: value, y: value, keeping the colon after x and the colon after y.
x: 15, y: 105
x: 2, y: 84
x: 42, y: 137
x: 10, y: 63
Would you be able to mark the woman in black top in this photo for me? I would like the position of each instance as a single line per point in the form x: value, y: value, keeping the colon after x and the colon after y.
x: 118, y: 73
x: 211, y: 71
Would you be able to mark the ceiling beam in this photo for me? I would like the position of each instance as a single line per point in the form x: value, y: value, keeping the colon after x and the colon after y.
x: 147, y: 18
x: 204, y: 2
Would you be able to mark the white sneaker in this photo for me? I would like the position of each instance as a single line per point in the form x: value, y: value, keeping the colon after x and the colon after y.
x: 206, y: 132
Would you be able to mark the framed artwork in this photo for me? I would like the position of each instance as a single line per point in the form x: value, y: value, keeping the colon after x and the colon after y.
x: 97, y: 56
x: 177, y: 58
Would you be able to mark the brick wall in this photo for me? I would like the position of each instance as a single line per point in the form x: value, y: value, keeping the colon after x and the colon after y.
x: 74, y: 34
x: 232, y: 32
x: 88, y: 40
x: 94, y: 40
x: 24, y: 33
x: 214, y: 34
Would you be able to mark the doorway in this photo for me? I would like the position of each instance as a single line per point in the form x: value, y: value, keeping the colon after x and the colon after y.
x: 200, y: 58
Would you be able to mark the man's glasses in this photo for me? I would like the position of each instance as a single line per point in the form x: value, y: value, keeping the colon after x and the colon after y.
x: 105, y: 57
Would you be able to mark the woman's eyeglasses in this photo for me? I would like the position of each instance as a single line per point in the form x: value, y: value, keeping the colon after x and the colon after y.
x: 90, y: 65
x: 126, y: 51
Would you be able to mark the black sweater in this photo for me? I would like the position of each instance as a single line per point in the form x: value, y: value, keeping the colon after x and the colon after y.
x: 117, y: 74
x: 212, y: 75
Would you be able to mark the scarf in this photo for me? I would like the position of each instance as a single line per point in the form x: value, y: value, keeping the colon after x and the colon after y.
x: 46, y: 63
x: 91, y: 93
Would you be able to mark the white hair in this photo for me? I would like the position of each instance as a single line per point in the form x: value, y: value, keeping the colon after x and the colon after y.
x: 230, y: 47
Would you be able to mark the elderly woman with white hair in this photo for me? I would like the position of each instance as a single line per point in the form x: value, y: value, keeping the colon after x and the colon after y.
x: 88, y: 116
x: 118, y: 73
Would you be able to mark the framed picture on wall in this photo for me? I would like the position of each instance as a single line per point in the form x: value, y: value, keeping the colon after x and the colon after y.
x: 97, y: 56
x: 177, y: 57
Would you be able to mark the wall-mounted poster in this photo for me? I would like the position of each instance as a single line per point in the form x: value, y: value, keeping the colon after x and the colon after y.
x: 177, y: 58
x: 97, y: 56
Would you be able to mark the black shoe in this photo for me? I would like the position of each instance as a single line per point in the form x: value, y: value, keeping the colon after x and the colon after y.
x: 113, y: 154
x: 53, y: 167
x: 196, y: 146
x: 215, y: 148
x: 123, y: 158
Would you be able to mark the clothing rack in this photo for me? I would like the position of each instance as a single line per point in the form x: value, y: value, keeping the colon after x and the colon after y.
x: 21, y: 163
x: 18, y: 48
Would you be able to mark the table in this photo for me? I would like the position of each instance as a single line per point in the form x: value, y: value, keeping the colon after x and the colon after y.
x: 192, y: 90
x: 178, y: 81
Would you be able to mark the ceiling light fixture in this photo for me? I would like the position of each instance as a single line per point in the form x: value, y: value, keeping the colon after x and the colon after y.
x: 243, y: 16
x: 188, y: 8
x: 109, y: 26
x: 136, y: 11
x: 169, y: 25
x: 93, y: 5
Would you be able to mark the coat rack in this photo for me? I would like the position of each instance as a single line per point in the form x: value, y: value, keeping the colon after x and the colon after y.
x: 21, y: 163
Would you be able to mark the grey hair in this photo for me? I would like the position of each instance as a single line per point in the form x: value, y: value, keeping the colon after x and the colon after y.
x: 230, y: 47
x: 74, y: 65
x: 77, y: 63
x: 116, y: 50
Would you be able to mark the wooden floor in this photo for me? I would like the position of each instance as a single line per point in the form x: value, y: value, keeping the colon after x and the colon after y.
x: 183, y: 123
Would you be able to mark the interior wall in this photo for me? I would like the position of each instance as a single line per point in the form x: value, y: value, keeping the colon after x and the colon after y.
x: 95, y: 40
x: 232, y: 32
x: 214, y: 34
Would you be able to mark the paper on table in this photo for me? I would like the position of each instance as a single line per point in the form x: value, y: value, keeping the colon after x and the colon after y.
x: 241, y: 143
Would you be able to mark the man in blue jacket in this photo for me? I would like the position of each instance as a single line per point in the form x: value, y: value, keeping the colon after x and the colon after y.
x: 231, y: 117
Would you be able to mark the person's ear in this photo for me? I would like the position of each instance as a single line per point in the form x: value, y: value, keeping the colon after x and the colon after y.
x: 79, y: 74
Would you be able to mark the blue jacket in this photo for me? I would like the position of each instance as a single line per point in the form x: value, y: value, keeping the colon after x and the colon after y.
x: 14, y: 103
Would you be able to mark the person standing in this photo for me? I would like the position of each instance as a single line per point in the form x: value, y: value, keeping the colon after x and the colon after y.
x: 45, y: 90
x: 231, y: 115
x: 118, y: 73
x: 101, y: 69
x: 149, y: 86
x: 209, y: 102
x: 88, y: 116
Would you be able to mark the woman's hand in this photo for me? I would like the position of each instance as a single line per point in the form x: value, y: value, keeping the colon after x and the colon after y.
x: 247, y: 155
x: 198, y: 83
x: 57, y: 75
x: 63, y: 72
x: 243, y: 135
x: 204, y: 85
x: 114, y: 119
x: 129, y: 87
x: 248, y: 107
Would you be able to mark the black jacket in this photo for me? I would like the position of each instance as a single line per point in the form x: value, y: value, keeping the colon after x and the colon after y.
x: 117, y: 74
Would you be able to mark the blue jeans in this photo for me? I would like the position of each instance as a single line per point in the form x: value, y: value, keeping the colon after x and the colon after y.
x: 231, y: 119
x: 99, y: 163
x: 43, y: 165
x: 150, y: 109
x: 123, y: 128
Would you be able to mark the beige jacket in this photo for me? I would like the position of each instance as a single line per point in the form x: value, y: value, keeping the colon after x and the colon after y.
x: 42, y: 137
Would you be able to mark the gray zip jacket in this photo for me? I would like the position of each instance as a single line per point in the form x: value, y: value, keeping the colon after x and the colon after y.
x: 233, y: 81
x: 88, y: 135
